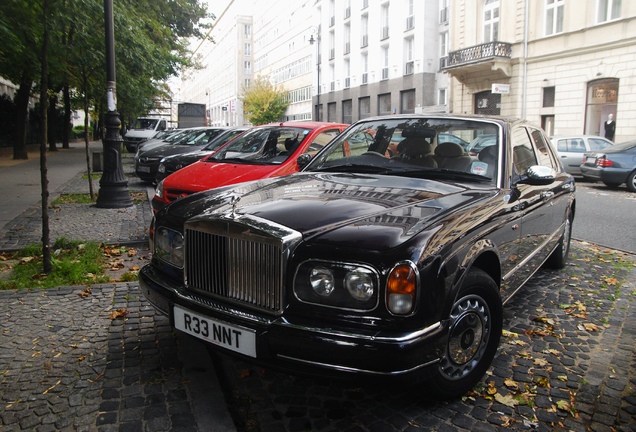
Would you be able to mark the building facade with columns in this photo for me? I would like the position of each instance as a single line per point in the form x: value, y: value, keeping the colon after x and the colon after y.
x: 564, y: 64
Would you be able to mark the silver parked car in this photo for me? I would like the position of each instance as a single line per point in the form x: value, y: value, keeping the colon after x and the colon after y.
x: 572, y: 147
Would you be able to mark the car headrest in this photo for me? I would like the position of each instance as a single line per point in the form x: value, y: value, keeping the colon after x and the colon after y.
x: 449, y: 150
x: 290, y: 144
x: 488, y: 154
x: 414, y: 147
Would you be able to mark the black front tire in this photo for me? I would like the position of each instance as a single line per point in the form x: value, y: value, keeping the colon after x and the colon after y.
x: 473, y: 337
x: 559, y: 256
x: 631, y: 182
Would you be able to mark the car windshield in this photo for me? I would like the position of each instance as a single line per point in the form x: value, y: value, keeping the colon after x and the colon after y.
x: 415, y: 147
x: 201, y: 137
x: 223, y: 138
x: 145, y: 123
x: 270, y: 145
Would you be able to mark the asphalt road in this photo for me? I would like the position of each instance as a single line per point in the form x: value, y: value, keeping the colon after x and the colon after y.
x: 605, y: 216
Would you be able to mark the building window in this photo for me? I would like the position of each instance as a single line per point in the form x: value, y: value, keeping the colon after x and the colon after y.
x: 407, y: 102
x: 608, y: 10
x: 248, y: 31
x: 364, y: 31
x: 491, y: 21
x: 409, y: 68
x: 410, y: 19
x: 443, y: 11
x: 347, y: 39
x: 347, y: 73
x: 347, y: 111
x: 441, y: 99
x: 554, y: 16
x: 248, y: 68
x: 487, y: 103
x: 548, y: 97
x: 602, y: 100
x: 248, y: 49
x: 247, y: 83
x: 364, y: 67
x: 332, y: 13
x: 385, y: 21
x: 385, y: 63
x: 347, y: 9
x: 332, y: 45
x: 364, y: 107
x: 384, y: 104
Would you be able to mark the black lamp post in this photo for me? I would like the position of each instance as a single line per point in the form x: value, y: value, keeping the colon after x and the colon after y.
x: 113, y: 186
x: 311, y: 41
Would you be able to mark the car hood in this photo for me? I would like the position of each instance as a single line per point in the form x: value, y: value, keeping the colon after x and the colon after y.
x: 201, y: 176
x: 141, y: 133
x: 189, y: 157
x: 378, y: 212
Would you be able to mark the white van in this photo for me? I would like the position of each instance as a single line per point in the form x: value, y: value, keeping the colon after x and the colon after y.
x: 144, y: 128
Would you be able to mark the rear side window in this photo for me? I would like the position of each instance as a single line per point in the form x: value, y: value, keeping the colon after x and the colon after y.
x: 522, y: 152
x: 544, y: 155
x: 571, y: 145
x: 598, y: 144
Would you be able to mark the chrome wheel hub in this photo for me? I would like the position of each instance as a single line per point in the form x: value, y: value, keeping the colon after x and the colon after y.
x: 468, y: 337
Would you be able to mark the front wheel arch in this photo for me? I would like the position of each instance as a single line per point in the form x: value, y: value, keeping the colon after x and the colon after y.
x: 475, y: 326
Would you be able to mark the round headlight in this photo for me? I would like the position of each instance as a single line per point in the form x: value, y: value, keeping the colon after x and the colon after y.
x: 162, y: 168
x: 359, y: 285
x: 322, y: 281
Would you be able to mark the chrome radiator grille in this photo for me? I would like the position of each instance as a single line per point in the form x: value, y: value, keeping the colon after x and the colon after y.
x: 247, y: 271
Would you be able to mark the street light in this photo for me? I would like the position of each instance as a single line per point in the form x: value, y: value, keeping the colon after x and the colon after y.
x: 311, y: 42
x: 113, y: 186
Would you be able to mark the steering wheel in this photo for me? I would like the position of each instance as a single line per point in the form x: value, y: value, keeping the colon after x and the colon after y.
x: 373, y: 153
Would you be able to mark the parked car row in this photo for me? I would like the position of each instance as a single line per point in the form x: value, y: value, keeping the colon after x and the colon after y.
x: 598, y: 159
x: 389, y: 254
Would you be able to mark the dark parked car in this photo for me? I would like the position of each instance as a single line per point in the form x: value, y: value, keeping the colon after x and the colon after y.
x: 147, y: 160
x: 571, y: 149
x: 368, y: 265
x: 174, y: 163
x: 613, y: 165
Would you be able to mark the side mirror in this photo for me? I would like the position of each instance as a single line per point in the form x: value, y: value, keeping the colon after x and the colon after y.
x: 303, y: 160
x: 538, y: 175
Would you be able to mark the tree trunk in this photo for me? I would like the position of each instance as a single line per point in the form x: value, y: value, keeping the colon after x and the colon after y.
x: 46, y: 247
x: 67, y: 117
x: 51, y: 122
x: 22, y: 108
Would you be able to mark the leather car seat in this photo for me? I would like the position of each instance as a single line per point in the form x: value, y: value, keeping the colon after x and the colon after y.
x: 451, y: 155
x: 416, y: 151
x: 489, y: 156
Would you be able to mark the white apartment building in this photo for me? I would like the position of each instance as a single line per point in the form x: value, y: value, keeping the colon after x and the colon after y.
x: 378, y: 57
x: 283, y: 51
x: 227, y: 64
x: 564, y: 64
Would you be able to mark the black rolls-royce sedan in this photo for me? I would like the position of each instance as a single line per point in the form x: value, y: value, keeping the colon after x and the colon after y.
x: 370, y: 262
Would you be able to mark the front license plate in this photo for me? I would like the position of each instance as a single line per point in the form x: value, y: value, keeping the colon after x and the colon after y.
x: 217, y: 332
x: 142, y: 168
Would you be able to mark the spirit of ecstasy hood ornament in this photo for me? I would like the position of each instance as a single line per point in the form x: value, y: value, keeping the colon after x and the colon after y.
x: 234, y: 201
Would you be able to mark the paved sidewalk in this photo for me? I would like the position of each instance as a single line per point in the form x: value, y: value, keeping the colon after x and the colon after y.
x: 70, y: 362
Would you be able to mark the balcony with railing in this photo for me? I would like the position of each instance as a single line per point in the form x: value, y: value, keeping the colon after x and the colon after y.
x: 409, y: 68
x: 365, y: 78
x: 492, y: 56
x: 385, y: 73
x: 347, y: 82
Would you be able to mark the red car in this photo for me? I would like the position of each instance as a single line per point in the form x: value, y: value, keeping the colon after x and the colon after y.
x: 261, y: 152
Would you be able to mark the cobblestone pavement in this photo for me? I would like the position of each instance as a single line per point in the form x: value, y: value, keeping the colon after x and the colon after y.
x: 566, y: 362
x: 101, y: 361
x: 83, y: 221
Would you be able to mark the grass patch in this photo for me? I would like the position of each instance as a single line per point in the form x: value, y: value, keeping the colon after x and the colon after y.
x: 73, y: 199
x: 93, y: 176
x: 74, y: 263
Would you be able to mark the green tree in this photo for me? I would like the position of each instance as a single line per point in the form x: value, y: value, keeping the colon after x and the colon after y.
x: 263, y: 102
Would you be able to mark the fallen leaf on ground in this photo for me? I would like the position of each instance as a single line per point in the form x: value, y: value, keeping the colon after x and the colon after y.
x: 507, y: 400
x: 121, y: 312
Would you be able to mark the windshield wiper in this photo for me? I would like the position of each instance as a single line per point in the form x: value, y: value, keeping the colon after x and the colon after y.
x: 441, y: 173
x: 371, y: 169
